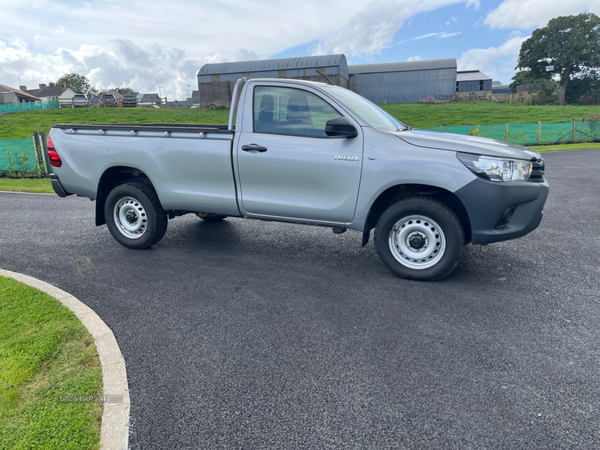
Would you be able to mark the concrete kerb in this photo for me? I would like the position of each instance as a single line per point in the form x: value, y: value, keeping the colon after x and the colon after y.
x: 114, y: 432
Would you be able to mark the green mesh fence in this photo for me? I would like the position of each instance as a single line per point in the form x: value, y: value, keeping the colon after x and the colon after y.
x: 27, y: 106
x: 22, y: 155
x: 531, y: 134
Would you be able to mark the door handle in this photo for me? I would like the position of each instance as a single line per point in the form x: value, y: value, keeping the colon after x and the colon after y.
x: 254, y: 148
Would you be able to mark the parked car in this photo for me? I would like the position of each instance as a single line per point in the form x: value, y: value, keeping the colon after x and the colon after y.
x: 309, y: 153
x: 129, y: 100
x: 108, y: 100
x: 80, y: 100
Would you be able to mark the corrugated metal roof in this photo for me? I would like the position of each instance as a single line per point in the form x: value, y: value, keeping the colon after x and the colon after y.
x: 471, y: 75
x: 448, y: 63
x: 275, y: 64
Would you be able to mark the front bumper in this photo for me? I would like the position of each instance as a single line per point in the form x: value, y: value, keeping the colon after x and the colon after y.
x: 487, y: 201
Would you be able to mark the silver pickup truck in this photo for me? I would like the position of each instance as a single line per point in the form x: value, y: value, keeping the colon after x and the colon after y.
x: 309, y: 153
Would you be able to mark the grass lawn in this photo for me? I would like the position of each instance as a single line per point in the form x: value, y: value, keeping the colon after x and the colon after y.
x: 46, y: 354
x: 551, y: 148
x: 37, y: 185
x: 20, y: 125
x: 423, y: 115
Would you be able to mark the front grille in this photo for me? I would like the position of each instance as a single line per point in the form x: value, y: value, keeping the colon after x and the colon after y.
x: 537, y: 172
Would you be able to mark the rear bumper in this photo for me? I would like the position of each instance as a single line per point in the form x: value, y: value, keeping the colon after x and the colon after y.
x: 58, y: 188
x: 487, y: 202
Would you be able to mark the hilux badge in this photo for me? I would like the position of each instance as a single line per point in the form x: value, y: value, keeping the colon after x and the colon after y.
x: 346, y: 158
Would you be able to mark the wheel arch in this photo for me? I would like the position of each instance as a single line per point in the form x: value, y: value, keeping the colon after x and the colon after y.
x: 110, y: 179
x: 401, y: 191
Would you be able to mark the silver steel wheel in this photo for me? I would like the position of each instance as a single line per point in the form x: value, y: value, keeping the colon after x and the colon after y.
x: 417, y: 242
x: 130, y: 217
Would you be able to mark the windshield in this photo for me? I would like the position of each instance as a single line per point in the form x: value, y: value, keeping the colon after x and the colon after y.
x: 372, y: 114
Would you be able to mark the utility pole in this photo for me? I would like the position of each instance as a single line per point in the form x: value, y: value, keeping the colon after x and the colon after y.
x: 187, y: 93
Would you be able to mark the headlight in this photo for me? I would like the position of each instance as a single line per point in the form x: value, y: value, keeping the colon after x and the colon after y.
x: 496, y: 169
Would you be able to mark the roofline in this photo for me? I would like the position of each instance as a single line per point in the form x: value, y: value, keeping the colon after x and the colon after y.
x: 403, y: 66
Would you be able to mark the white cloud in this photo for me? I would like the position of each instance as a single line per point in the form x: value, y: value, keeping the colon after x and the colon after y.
x: 372, y: 29
x: 487, y: 59
x: 525, y: 14
x: 415, y: 58
x: 447, y: 35
x: 474, y: 3
x: 121, y: 37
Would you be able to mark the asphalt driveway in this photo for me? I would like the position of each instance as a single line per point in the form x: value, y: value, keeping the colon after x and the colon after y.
x: 251, y: 335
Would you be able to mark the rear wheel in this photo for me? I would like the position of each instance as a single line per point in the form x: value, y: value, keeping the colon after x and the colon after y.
x: 135, y: 216
x: 419, y: 238
x: 208, y: 217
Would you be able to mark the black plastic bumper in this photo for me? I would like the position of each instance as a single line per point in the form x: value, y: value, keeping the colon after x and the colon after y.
x: 60, y: 191
x: 487, y: 202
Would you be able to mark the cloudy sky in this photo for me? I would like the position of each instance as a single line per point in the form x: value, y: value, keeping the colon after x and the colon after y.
x: 147, y: 44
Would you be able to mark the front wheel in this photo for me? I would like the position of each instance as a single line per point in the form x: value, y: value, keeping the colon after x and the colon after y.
x: 135, y: 216
x: 419, y: 238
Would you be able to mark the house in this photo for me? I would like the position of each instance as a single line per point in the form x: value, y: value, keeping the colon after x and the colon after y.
x: 148, y: 100
x: 13, y: 95
x: 64, y: 94
x: 116, y: 94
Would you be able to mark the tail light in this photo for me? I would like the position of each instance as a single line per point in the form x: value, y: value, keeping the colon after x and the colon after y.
x: 52, y: 155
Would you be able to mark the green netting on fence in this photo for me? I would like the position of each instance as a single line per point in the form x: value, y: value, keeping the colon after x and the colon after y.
x: 19, y: 156
x: 16, y: 149
x: 531, y: 134
x: 27, y: 106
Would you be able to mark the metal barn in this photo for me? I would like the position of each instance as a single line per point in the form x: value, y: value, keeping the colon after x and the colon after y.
x: 216, y: 81
x: 473, y: 81
x: 405, y: 82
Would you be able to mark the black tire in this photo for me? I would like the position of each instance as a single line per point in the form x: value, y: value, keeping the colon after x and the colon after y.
x: 208, y: 217
x: 419, y: 238
x: 135, y: 216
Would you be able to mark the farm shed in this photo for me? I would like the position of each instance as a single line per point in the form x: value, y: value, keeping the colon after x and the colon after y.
x: 473, y: 81
x: 216, y: 81
x: 405, y: 82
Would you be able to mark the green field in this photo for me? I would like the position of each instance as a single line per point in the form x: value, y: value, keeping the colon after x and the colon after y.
x: 48, y: 359
x: 20, y: 125
x: 35, y: 185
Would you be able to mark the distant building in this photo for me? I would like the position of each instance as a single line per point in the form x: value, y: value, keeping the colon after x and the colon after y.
x: 116, y: 94
x: 64, y: 93
x: 148, y: 100
x: 216, y: 81
x: 473, y: 84
x: 501, y: 90
x: 14, y: 95
x: 405, y: 82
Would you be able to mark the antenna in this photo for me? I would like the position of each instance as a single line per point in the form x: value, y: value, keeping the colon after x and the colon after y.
x: 328, y: 80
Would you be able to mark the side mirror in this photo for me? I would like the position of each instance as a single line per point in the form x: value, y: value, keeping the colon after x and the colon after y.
x: 340, y: 127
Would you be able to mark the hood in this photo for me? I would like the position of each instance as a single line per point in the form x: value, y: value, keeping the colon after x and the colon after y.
x: 466, y: 144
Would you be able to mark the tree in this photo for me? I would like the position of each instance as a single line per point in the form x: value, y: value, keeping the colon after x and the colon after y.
x: 526, y: 77
x: 126, y: 91
x: 78, y: 83
x: 567, y: 46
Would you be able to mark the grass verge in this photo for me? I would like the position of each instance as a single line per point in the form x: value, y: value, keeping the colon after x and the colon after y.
x: 552, y: 148
x: 46, y: 354
x: 35, y: 185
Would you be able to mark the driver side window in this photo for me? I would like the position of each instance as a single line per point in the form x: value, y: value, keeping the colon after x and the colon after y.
x: 279, y: 110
